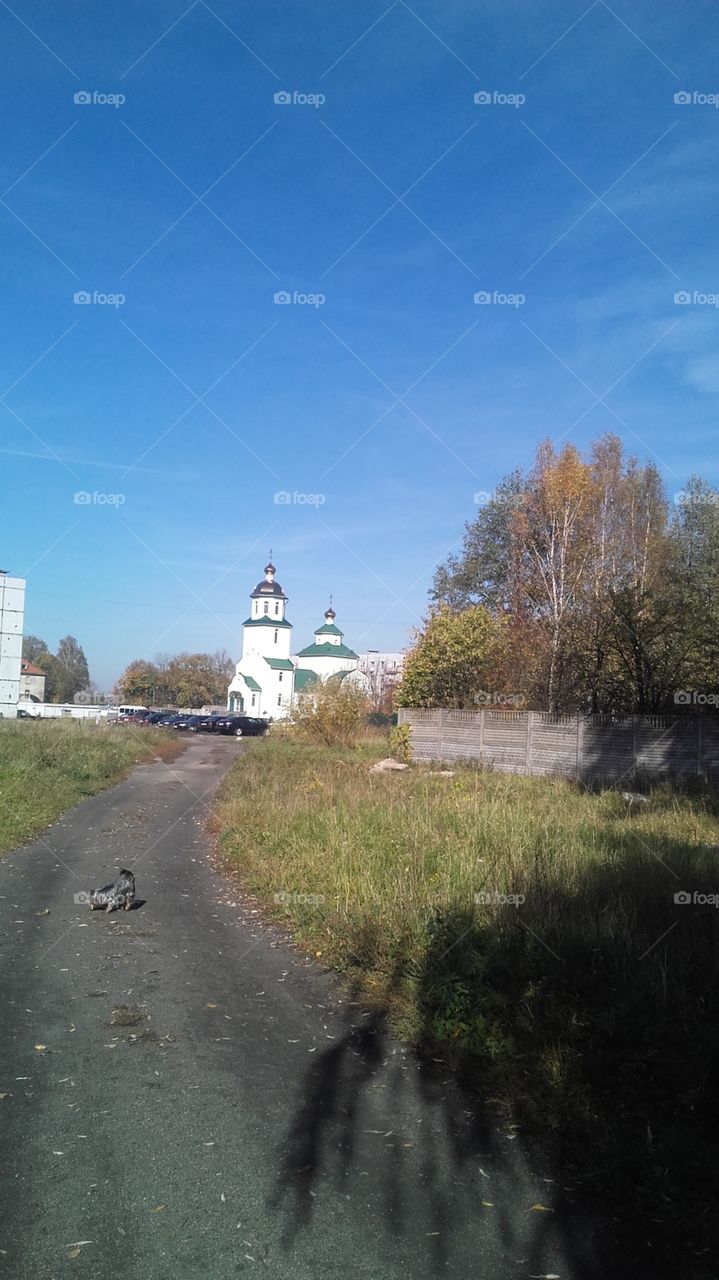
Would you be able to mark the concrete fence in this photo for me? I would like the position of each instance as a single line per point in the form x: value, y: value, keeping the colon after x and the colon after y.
x: 575, y: 746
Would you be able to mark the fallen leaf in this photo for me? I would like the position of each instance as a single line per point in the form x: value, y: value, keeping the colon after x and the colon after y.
x: 41, y: 1048
x: 210, y: 1006
x: 541, y: 1208
x: 159, y: 1208
x: 488, y: 1203
x: 5, y: 1095
x: 74, y: 1253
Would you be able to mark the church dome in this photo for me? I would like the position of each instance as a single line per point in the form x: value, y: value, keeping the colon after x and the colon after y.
x: 268, y: 587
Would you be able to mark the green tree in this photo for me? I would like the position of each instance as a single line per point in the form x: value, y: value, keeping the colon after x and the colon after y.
x: 482, y: 572
x: 32, y: 647
x: 72, y: 670
x: 455, y: 658
x: 694, y: 543
x: 49, y: 665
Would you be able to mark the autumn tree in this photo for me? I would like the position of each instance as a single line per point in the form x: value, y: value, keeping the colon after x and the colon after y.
x: 182, y: 679
x: 454, y: 658
x: 138, y: 683
x: 601, y: 596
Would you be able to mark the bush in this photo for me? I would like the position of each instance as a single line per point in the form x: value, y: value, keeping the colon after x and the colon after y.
x: 400, y: 742
x: 332, y: 713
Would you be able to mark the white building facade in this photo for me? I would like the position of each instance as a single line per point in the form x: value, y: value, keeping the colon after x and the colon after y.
x: 263, y: 683
x: 12, y: 621
x: 266, y: 678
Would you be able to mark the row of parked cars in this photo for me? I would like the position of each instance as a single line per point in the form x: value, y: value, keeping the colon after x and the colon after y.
x: 224, y: 722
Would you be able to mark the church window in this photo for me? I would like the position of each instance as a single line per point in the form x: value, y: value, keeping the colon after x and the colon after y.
x: 279, y: 701
x: 280, y: 677
x: 254, y: 696
x: 277, y: 606
x: 267, y: 607
x: 275, y: 635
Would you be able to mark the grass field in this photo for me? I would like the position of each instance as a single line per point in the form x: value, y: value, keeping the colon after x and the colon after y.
x: 588, y: 1009
x: 48, y: 765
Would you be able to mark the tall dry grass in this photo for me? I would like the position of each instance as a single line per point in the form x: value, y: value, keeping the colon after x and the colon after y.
x: 578, y: 991
x: 48, y: 765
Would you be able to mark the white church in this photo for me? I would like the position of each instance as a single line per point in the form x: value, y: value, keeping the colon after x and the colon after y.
x: 266, y: 677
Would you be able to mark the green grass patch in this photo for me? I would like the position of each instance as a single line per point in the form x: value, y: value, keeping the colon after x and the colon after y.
x: 589, y: 1009
x: 48, y: 765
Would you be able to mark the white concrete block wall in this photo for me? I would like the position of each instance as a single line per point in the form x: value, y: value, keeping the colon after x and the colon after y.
x: 12, y: 613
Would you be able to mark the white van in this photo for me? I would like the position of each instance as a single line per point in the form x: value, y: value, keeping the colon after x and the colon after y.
x: 127, y: 709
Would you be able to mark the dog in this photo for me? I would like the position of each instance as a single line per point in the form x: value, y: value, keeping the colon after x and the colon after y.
x: 113, y: 896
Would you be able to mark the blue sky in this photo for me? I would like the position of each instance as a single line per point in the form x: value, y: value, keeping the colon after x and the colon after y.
x: 382, y: 410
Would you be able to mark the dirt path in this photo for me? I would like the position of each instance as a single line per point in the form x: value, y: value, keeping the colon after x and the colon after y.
x: 190, y: 1097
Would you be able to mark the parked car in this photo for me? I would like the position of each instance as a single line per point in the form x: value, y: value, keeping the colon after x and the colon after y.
x: 202, y: 724
x: 181, y: 721
x: 241, y: 726
x: 188, y: 722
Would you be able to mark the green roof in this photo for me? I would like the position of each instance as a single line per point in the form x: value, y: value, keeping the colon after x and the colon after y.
x: 329, y: 629
x: 327, y: 651
x: 303, y: 678
x: 252, y: 684
x: 266, y: 621
x: 280, y: 664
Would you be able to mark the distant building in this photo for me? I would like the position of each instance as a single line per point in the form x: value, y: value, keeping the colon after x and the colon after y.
x: 32, y: 682
x: 12, y: 618
x: 266, y: 678
x: 383, y: 670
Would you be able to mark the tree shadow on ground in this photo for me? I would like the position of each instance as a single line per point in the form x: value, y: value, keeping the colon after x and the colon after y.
x: 586, y: 1015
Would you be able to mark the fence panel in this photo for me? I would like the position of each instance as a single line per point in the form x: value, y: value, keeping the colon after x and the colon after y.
x: 611, y: 747
x: 554, y: 743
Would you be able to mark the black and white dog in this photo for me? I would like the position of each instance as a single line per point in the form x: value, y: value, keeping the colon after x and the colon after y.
x: 114, y: 896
